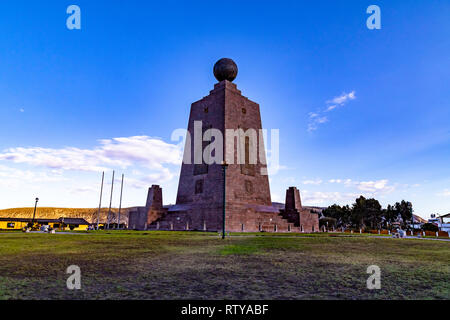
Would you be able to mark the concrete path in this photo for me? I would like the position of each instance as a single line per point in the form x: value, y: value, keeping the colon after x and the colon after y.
x: 254, y: 236
x: 18, y: 232
x: 340, y: 236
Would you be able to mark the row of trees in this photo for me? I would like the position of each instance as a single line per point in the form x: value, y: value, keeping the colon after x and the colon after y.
x: 368, y: 213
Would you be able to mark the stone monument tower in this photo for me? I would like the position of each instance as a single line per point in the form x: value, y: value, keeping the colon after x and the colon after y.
x: 201, y: 187
x: 232, y: 123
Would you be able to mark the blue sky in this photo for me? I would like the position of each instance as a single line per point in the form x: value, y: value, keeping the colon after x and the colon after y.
x: 109, y: 96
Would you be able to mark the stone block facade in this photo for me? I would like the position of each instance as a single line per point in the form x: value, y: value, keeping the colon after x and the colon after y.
x: 302, y: 218
x: 201, y: 188
x: 200, y: 196
x: 142, y: 217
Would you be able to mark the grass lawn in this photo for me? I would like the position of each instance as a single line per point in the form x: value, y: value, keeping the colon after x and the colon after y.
x: 180, y: 265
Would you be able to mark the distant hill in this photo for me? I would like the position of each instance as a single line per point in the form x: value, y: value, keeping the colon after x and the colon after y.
x: 89, y: 214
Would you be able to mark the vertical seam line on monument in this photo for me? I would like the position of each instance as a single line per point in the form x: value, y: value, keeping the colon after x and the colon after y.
x: 224, y: 125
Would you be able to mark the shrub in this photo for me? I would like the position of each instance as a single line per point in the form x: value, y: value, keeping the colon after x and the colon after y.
x: 327, y: 220
x: 430, y: 227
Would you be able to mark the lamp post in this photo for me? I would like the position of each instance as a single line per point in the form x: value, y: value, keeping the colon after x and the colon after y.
x: 224, y: 167
x: 34, y: 212
x: 120, y: 204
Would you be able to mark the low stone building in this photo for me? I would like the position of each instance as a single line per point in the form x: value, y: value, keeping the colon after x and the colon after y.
x: 289, y: 217
x: 142, y: 217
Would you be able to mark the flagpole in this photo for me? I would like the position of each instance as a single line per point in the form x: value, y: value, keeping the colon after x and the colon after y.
x: 110, y: 200
x: 120, y: 204
x: 100, y: 205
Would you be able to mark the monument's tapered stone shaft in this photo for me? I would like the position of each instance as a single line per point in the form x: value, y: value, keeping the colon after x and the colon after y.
x: 199, y: 204
x: 200, y: 189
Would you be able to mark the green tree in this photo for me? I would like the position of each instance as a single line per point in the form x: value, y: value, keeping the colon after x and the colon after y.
x: 430, y: 227
x: 374, y: 214
x: 341, y: 214
x: 369, y: 213
x: 357, y: 214
x: 366, y: 212
x: 390, y: 215
x: 405, y: 211
x: 328, y: 222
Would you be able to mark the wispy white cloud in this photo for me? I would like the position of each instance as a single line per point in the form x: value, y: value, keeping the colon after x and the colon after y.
x: 14, y: 178
x: 346, y: 182
x: 150, y: 160
x: 444, y: 193
x: 289, y: 180
x: 374, y: 187
x: 85, y: 189
x: 317, y: 118
x: 315, y: 182
x: 327, y: 198
x: 315, y: 121
x: 342, y: 99
x: 276, y: 197
x: 148, y: 152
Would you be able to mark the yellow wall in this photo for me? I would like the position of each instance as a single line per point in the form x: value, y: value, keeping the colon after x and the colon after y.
x: 17, y: 225
x: 81, y: 227
x: 20, y: 225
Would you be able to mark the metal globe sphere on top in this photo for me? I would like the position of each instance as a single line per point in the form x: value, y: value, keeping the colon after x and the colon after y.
x: 225, y: 69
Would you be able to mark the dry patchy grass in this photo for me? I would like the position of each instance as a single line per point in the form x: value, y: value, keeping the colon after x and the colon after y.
x: 178, y: 265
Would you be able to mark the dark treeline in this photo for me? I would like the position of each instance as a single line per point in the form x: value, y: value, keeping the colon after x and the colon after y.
x: 368, y: 214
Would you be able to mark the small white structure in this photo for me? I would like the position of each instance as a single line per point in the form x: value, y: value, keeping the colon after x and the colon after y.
x: 399, y: 234
x: 443, y: 222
